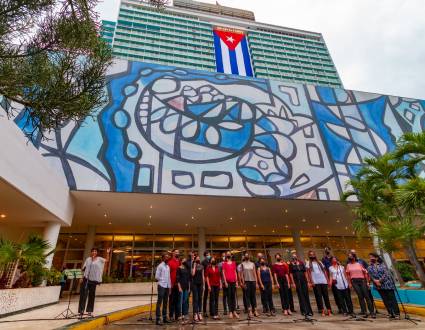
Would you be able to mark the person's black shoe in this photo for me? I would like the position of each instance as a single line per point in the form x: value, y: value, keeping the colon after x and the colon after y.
x: 309, y: 314
x: 373, y: 315
x: 264, y: 311
x: 165, y: 321
x: 158, y: 322
x: 365, y: 316
x: 225, y: 312
x: 205, y: 315
x: 245, y: 311
x: 293, y: 310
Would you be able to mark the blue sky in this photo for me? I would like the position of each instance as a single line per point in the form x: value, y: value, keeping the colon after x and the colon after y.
x: 377, y: 45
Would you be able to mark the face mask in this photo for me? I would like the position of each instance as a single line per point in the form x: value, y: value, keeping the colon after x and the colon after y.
x: 373, y: 261
x: 198, y: 261
x: 278, y: 259
x: 208, y: 257
x: 166, y: 261
x: 351, y: 258
x: 213, y: 262
x: 262, y: 263
x: 311, y: 257
x: 294, y: 258
x: 228, y: 257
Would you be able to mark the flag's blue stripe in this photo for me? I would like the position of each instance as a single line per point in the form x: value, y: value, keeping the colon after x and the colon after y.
x: 246, y: 57
x: 233, y: 62
x: 218, y: 56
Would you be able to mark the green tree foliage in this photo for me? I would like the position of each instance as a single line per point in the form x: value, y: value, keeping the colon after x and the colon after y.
x: 391, y: 196
x: 52, y: 60
x: 30, y: 254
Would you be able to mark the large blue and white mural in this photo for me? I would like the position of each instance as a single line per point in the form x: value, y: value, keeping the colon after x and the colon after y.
x: 179, y: 131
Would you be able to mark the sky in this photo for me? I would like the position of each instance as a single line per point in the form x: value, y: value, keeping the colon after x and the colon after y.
x: 377, y: 45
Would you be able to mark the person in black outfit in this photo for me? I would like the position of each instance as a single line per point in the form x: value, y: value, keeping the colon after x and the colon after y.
x: 183, y: 281
x: 205, y: 264
x: 298, y: 275
x: 198, y: 281
x: 265, y: 279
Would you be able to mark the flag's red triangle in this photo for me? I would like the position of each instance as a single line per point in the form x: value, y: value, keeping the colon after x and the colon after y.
x: 231, y: 39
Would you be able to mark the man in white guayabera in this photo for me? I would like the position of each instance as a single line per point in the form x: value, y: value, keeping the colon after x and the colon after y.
x: 93, y: 271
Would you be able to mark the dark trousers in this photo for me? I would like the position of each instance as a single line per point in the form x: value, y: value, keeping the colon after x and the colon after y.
x: 205, y: 299
x: 267, y: 296
x: 197, y: 291
x: 87, y: 295
x: 162, y: 300
x: 250, y: 295
x: 263, y: 302
x: 336, y: 298
x: 322, y: 295
x: 184, y: 298
x: 283, y: 292
x: 225, y: 295
x: 215, y: 290
x: 231, y: 296
x: 245, y: 302
x: 303, y: 296
x: 344, y: 297
x: 390, y: 301
x: 362, y: 291
x: 291, y: 299
x: 174, y: 303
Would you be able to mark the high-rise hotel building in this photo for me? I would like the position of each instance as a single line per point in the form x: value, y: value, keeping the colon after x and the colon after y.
x: 183, y: 35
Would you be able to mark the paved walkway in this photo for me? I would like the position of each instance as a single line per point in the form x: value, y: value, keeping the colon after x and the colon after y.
x: 335, y: 322
x: 43, y: 318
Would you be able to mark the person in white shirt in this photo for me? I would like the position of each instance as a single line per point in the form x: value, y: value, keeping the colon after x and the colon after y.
x: 162, y: 275
x: 318, y: 279
x: 338, y: 279
x: 93, y: 271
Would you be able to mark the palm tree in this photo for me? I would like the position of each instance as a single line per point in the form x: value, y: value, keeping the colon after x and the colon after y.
x: 374, y: 188
x: 31, y: 253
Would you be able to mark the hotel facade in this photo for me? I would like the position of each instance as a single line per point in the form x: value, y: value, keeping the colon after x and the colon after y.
x: 198, y: 159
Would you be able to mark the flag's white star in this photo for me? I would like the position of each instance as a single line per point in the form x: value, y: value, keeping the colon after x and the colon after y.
x: 230, y: 39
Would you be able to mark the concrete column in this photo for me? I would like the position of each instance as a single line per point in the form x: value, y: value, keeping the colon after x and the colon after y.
x: 51, y: 234
x: 387, y: 258
x: 202, y: 244
x: 298, y: 246
x: 91, y: 233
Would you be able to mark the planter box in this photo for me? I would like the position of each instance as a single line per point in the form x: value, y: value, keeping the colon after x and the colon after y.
x: 125, y: 289
x: 18, y: 300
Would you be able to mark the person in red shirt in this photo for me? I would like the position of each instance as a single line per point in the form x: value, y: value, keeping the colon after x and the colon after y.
x: 174, y: 304
x: 280, y: 271
x: 230, y: 282
x: 213, y: 276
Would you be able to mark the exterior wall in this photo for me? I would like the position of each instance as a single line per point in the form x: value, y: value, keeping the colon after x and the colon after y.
x: 18, y: 300
x: 182, y: 37
x: 23, y: 167
x: 180, y: 131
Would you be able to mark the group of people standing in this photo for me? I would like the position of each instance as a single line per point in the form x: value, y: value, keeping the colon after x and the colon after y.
x: 178, y: 278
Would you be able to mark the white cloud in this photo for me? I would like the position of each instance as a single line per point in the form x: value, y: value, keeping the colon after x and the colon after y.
x: 377, y: 45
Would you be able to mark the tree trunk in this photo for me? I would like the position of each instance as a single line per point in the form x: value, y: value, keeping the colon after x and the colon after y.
x: 395, y: 270
x: 413, y: 258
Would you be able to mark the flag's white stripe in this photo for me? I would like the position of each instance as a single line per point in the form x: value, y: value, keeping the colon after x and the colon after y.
x: 226, y: 58
x: 240, y: 60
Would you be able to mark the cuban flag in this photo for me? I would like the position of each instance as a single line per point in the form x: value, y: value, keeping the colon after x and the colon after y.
x: 232, y: 53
